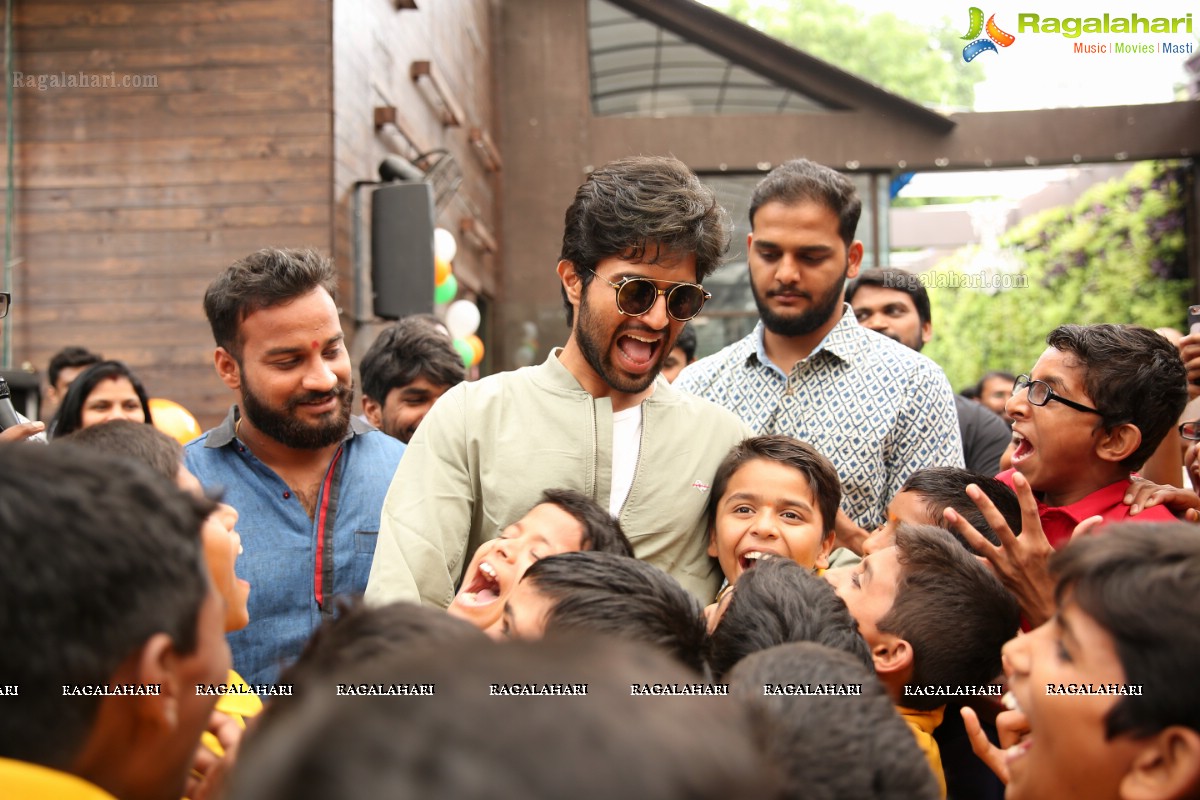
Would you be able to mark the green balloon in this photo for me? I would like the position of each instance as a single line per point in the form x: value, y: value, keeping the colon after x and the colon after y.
x: 465, y: 351
x: 445, y: 293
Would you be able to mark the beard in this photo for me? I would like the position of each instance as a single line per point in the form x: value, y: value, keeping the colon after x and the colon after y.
x: 589, y: 333
x: 821, y: 310
x: 285, y: 427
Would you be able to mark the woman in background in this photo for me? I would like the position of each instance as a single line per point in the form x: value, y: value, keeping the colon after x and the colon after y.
x: 104, y: 391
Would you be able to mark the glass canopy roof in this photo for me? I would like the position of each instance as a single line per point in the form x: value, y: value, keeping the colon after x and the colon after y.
x: 639, y: 69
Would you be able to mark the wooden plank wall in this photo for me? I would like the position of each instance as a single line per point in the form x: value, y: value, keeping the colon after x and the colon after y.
x: 131, y: 199
x: 374, y: 46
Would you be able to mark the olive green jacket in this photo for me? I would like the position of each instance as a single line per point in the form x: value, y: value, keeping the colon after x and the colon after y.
x: 485, y: 452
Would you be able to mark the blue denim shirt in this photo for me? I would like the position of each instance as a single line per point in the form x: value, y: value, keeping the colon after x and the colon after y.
x: 279, y: 541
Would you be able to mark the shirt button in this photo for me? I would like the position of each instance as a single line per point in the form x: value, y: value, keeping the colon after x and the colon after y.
x: 287, y: 495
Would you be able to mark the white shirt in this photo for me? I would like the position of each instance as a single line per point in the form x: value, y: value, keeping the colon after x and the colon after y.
x: 627, y: 442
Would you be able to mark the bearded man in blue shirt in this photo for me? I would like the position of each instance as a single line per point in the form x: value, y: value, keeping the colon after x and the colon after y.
x: 307, y: 478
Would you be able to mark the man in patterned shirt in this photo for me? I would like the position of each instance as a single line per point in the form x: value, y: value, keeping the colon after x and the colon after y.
x: 878, y: 410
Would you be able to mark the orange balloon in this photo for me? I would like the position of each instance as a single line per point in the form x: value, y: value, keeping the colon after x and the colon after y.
x: 174, y: 420
x: 441, y: 271
x: 477, y: 347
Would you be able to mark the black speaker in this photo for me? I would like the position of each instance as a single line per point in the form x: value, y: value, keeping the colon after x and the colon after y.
x: 402, y: 249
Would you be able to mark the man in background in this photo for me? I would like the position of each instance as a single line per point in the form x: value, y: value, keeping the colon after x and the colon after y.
x: 408, y: 367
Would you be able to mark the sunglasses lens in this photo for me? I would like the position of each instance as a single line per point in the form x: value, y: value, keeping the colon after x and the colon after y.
x: 1190, y: 430
x: 685, y: 302
x: 636, y: 296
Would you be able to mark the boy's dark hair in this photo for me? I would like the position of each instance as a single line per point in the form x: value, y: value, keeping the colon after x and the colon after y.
x: 803, y: 457
x: 359, y: 633
x: 123, y: 437
x: 464, y: 744
x: 778, y: 602
x: 951, y: 609
x: 97, y: 555
x: 946, y: 487
x: 410, y: 349
x: 970, y: 392
x: 261, y: 280
x: 803, y: 181
x: 831, y: 747
x: 620, y: 596
x: 897, y: 279
x: 1132, y: 374
x: 686, y: 341
x: 602, y: 532
x: 70, y: 356
x: 69, y: 417
x: 644, y: 210
x: 1141, y: 583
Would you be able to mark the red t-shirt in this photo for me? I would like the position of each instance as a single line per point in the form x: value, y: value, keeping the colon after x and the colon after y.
x: 1059, y: 521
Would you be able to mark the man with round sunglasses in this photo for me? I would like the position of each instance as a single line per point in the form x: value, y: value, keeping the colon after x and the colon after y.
x: 875, y: 408
x: 640, y: 237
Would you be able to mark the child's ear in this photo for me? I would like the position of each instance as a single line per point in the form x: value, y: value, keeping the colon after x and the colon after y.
x: 893, y: 658
x: 1168, y: 766
x: 155, y: 664
x: 712, y: 540
x: 1119, y: 443
x: 826, y: 549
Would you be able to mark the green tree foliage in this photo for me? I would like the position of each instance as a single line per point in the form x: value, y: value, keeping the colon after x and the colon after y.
x: 923, y: 65
x: 1119, y: 254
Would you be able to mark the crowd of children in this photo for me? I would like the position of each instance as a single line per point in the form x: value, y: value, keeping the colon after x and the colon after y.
x: 830, y: 664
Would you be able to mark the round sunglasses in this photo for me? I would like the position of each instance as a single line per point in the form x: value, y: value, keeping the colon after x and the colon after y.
x: 636, y: 296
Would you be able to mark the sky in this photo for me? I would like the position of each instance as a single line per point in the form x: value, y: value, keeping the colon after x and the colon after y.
x: 1042, y: 71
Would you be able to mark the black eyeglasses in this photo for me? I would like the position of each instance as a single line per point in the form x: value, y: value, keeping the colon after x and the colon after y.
x: 1040, y: 393
x: 5, y: 302
x: 1190, y: 430
x: 636, y: 296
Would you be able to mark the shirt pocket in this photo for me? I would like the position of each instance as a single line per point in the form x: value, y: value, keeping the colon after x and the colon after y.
x: 364, y: 554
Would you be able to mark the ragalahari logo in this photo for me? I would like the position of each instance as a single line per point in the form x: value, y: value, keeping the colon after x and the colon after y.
x: 995, y: 36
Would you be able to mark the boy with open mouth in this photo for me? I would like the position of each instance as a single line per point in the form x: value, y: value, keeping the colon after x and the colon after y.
x: 564, y: 522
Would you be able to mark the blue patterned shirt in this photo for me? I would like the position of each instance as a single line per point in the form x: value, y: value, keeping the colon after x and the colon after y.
x: 878, y: 410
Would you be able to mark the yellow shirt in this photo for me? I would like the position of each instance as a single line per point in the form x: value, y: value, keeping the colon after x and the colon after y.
x: 237, y: 705
x: 24, y: 781
x: 923, y: 724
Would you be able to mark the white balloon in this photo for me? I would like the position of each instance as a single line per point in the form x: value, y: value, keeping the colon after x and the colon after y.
x: 444, y: 246
x: 462, y: 318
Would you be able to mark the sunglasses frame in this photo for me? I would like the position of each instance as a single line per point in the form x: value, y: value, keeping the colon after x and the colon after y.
x: 705, y: 296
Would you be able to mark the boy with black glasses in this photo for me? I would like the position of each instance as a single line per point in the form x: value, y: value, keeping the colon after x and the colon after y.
x: 1095, y: 406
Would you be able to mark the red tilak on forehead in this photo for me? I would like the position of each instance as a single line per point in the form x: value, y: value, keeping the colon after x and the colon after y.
x: 315, y: 344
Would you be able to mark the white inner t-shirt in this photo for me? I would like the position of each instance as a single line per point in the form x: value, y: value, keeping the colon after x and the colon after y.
x: 627, y: 441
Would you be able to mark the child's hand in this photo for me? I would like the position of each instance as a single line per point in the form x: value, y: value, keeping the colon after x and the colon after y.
x: 1143, y: 494
x: 1010, y: 725
x: 1189, y: 351
x: 209, y: 771
x: 1021, y: 561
